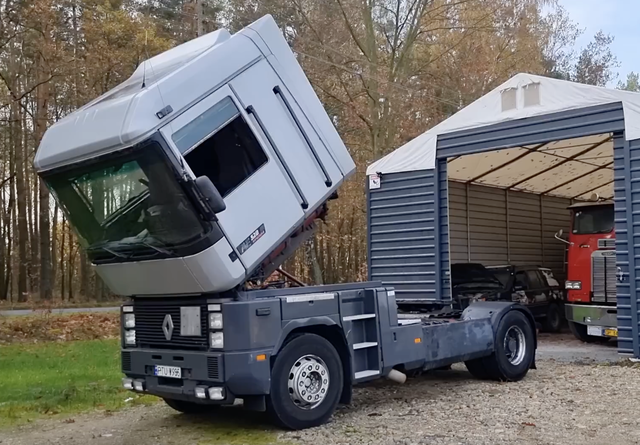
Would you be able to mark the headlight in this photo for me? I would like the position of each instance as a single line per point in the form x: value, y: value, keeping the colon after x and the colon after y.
x: 574, y: 285
x: 215, y: 320
x: 216, y: 393
x: 217, y: 340
x: 130, y: 337
x: 129, y: 321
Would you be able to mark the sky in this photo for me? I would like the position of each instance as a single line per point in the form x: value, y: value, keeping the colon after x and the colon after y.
x: 619, y: 18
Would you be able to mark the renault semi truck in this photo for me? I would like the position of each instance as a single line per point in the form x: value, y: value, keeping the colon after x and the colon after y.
x: 188, y: 186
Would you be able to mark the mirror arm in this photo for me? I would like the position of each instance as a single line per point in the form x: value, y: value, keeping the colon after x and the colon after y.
x: 563, y: 240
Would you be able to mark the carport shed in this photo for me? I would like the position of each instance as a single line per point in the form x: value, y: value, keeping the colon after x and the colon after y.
x: 533, y: 139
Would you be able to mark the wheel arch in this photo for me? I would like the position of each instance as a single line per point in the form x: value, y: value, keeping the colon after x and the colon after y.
x: 496, y: 311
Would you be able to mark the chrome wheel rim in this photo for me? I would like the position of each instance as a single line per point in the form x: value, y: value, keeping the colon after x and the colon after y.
x: 515, y: 345
x: 308, y: 382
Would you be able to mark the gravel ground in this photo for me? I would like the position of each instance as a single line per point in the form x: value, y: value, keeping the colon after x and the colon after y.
x: 564, y: 401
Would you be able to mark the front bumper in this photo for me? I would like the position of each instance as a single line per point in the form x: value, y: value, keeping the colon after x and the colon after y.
x: 603, y: 317
x: 240, y: 374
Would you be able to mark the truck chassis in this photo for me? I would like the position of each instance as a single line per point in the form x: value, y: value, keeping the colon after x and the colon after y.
x: 297, y: 352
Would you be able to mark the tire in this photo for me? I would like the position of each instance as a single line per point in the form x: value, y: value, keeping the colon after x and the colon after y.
x: 477, y: 369
x: 511, y: 360
x: 579, y: 331
x: 285, y: 403
x: 553, y: 320
x: 190, y: 407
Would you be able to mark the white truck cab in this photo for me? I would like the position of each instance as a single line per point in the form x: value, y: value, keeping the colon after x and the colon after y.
x: 237, y: 110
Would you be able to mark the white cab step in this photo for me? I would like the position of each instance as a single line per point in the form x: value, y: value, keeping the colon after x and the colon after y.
x: 368, y: 373
x: 366, y: 344
x: 358, y: 317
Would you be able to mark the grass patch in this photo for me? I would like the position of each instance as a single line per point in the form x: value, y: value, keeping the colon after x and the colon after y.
x: 51, y: 379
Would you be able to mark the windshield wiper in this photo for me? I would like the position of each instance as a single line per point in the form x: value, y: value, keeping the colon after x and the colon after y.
x: 112, y: 252
x: 156, y: 248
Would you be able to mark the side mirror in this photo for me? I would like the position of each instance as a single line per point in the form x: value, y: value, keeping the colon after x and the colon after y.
x: 560, y: 233
x: 211, y: 194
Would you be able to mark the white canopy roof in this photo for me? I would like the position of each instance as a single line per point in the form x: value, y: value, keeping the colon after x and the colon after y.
x: 572, y: 168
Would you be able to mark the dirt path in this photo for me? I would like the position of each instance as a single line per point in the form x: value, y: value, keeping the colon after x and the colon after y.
x: 574, y: 397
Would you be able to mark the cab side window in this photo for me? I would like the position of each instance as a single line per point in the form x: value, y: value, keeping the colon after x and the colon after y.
x: 522, y: 282
x: 220, y: 145
x: 535, y: 282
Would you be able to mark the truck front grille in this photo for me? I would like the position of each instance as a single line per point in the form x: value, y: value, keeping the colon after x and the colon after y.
x: 607, y: 243
x: 603, y: 267
x: 150, y: 316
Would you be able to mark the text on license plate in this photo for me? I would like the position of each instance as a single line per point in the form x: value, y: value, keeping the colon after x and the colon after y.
x: 173, y: 372
x: 611, y: 332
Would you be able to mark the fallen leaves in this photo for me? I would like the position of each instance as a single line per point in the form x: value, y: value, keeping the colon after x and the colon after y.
x: 47, y: 327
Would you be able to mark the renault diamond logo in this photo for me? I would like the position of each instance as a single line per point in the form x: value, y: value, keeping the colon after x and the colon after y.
x: 167, y: 326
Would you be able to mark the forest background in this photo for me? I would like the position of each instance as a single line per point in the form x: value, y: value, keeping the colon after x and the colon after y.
x: 385, y: 70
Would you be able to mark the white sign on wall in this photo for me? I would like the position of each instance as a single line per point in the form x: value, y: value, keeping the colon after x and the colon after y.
x: 374, y: 182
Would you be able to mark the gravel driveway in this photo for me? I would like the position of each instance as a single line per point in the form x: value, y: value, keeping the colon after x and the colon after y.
x: 564, y: 401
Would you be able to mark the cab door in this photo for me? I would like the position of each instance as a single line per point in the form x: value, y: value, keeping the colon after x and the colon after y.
x: 217, y: 140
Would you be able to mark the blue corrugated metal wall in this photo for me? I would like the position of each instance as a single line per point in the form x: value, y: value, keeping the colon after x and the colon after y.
x: 627, y: 214
x: 443, y: 286
x: 402, y: 234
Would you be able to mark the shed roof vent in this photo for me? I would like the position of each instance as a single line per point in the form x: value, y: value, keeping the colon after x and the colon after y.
x: 509, y: 99
x: 531, y: 94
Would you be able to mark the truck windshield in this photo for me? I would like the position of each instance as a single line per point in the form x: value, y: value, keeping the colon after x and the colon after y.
x: 128, y: 204
x: 502, y: 274
x: 593, y: 220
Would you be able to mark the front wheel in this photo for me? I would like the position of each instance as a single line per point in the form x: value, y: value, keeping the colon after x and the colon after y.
x: 306, y: 382
x: 553, y: 320
x: 513, y: 353
x: 579, y: 331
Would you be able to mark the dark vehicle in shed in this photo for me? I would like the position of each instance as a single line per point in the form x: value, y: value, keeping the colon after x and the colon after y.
x: 537, y: 288
x: 474, y: 282
x: 533, y: 286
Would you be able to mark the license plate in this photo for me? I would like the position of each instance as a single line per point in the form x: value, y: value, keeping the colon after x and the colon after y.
x: 173, y: 372
x: 594, y: 330
x: 611, y: 332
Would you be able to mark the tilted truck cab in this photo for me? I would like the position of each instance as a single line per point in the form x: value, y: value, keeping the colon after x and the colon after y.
x: 188, y: 185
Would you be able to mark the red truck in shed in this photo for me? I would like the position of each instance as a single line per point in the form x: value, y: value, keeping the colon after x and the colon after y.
x: 591, y: 271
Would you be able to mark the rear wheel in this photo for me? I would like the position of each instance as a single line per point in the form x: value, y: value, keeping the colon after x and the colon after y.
x: 579, y: 331
x: 190, y: 407
x: 553, y: 320
x: 306, y: 382
x: 513, y: 354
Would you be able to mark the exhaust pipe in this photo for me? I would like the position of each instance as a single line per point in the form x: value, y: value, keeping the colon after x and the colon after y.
x: 397, y: 376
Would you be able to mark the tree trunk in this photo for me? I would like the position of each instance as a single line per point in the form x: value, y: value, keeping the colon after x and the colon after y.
x: 42, y: 113
x: 21, y: 192
x: 54, y: 247
x: 315, y: 265
x: 62, y: 275
x: 70, y: 264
